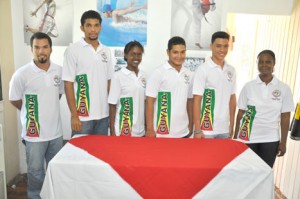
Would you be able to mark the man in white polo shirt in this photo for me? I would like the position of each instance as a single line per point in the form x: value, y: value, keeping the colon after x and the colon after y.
x: 214, y: 92
x: 169, y: 95
x: 87, y: 71
x: 35, y: 89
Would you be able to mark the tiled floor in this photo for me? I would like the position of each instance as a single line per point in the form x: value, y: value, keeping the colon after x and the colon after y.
x: 19, y: 190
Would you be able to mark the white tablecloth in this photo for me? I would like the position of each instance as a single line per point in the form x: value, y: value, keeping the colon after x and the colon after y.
x: 75, y: 174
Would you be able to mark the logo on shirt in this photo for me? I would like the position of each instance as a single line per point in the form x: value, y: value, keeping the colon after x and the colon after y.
x: 229, y: 76
x: 276, y: 94
x: 186, y: 78
x: 163, y: 112
x: 83, y: 98
x: 126, y: 113
x: 32, y: 116
x: 104, y: 57
x: 207, y: 113
x: 57, y: 80
x: 247, y: 121
x: 143, y: 81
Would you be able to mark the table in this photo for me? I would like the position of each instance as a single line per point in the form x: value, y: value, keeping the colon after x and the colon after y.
x: 127, y: 167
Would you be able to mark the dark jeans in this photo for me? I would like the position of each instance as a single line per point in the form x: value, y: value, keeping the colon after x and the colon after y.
x: 266, y: 151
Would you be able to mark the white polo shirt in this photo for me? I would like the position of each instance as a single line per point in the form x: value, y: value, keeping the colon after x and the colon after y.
x: 171, y: 90
x: 221, y: 82
x: 39, y: 91
x: 90, y: 70
x: 269, y: 101
x: 127, y: 91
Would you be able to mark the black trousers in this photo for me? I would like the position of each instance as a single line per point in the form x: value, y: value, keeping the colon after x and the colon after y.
x: 266, y: 151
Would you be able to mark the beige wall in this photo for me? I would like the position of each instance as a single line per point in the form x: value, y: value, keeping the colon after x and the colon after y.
x: 10, y: 125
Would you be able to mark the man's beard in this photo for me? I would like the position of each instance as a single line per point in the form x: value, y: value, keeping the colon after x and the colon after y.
x: 42, y: 60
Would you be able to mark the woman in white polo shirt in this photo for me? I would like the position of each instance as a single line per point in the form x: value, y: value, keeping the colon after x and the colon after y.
x: 127, y: 95
x: 264, y: 105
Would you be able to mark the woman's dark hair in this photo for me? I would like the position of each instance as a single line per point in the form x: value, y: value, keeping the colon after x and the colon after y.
x: 131, y: 45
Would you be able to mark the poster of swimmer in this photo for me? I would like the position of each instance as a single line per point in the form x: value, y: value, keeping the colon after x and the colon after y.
x: 196, y: 21
x: 123, y: 21
x: 52, y: 17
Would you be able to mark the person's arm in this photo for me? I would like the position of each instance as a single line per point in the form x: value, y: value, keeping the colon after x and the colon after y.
x: 196, y: 115
x: 232, y: 108
x: 127, y: 10
x: 150, y: 116
x: 190, y: 114
x: 33, y: 13
x: 108, y: 86
x: 237, y: 123
x: 70, y: 96
x: 284, y: 124
x: 17, y: 104
x: 112, y: 117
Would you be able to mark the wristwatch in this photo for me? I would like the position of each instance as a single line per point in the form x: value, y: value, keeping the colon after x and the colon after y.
x: 198, y: 132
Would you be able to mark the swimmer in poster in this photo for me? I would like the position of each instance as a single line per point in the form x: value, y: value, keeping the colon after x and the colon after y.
x: 123, y: 21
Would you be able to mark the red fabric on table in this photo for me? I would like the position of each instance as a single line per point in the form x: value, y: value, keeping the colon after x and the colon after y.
x: 163, y: 167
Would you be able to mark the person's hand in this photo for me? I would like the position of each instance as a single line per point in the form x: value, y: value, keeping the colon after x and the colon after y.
x: 281, y: 149
x: 76, y: 123
x: 150, y: 133
x: 33, y: 13
x: 199, y: 135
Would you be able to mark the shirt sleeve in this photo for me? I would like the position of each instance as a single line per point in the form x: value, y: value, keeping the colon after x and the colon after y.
x: 110, y: 65
x: 16, y: 87
x: 233, y: 91
x: 243, y: 99
x: 199, y: 82
x: 287, y: 101
x: 153, y: 84
x: 115, y: 90
x: 69, y: 65
x: 190, y: 91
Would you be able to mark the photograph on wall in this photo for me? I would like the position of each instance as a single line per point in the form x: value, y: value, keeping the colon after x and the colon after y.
x: 193, y: 62
x: 123, y: 21
x: 119, y: 59
x: 52, y: 17
x: 196, y: 21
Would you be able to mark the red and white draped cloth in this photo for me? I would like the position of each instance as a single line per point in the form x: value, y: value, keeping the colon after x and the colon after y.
x: 130, y: 167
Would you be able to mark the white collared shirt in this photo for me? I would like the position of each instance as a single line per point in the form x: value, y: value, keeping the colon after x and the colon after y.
x: 44, y: 87
x: 211, y: 76
x: 269, y: 101
x: 82, y: 59
x: 125, y: 84
x: 167, y: 79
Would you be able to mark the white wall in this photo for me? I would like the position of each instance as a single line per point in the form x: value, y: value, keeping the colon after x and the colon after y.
x: 265, y: 7
x: 159, y: 29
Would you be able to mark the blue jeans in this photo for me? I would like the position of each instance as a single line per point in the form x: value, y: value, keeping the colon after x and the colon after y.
x: 36, y: 154
x: 97, y: 127
x: 223, y: 135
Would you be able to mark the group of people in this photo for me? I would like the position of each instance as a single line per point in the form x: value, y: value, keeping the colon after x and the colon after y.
x: 173, y: 102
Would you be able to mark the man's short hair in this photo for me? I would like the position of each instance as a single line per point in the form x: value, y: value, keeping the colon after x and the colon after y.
x: 175, y: 41
x: 219, y: 34
x: 40, y: 35
x: 90, y: 14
